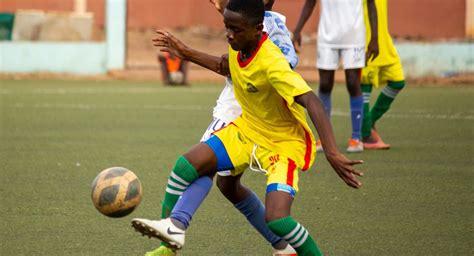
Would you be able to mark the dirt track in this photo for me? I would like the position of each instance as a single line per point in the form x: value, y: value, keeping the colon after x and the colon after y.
x: 142, y: 63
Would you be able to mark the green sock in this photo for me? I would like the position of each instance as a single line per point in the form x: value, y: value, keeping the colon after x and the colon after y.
x: 182, y: 175
x: 296, y: 235
x: 367, y: 117
x: 385, y: 99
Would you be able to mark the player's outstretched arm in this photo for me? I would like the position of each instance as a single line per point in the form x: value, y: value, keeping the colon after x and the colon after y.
x: 305, y: 14
x: 343, y: 166
x: 373, y: 47
x: 169, y: 43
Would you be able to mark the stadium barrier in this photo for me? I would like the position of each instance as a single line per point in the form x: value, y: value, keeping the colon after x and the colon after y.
x: 84, y: 58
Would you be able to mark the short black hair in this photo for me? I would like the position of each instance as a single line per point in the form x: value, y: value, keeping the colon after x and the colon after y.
x: 254, y: 10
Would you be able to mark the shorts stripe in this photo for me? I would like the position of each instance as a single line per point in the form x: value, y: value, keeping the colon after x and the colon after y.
x: 291, y: 172
x: 281, y: 187
x: 223, y: 161
x: 309, y: 150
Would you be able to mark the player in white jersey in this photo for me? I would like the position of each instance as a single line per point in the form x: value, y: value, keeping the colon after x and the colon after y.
x: 341, y: 38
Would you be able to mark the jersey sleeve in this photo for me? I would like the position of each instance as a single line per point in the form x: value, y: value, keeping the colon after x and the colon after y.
x: 285, y: 81
x: 278, y: 33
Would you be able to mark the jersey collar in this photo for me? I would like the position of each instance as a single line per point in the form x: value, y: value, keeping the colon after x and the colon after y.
x: 243, y: 64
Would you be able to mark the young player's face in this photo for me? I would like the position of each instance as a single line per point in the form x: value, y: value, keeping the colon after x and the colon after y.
x: 219, y: 4
x: 240, y: 34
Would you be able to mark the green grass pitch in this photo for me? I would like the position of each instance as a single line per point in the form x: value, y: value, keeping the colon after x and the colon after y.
x: 56, y: 136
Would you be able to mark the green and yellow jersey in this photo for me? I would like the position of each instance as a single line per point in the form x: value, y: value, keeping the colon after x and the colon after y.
x: 265, y: 86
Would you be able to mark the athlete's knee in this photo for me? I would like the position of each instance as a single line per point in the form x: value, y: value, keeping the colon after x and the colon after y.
x: 202, y: 158
x: 325, y: 86
x: 274, y: 215
x: 326, y: 81
x: 354, y: 87
x: 278, y: 203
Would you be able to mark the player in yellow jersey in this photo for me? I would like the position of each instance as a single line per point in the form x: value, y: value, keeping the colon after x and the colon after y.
x: 271, y: 136
x: 385, y: 70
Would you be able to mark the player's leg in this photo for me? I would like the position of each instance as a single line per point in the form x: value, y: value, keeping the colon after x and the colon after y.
x: 282, y: 185
x: 326, y: 84
x: 327, y: 63
x: 165, y: 75
x: 368, y: 80
x: 396, y: 82
x: 248, y: 203
x: 371, y: 78
x: 192, y: 197
x: 184, y: 70
x: 200, y: 160
x: 279, y: 220
x: 353, y: 60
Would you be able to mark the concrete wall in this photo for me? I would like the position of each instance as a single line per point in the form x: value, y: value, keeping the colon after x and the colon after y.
x: 71, y: 57
x: 436, y: 59
x: 425, y: 19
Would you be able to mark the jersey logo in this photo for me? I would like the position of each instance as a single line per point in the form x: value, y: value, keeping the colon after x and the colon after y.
x: 173, y: 232
x: 274, y: 159
x: 251, y: 88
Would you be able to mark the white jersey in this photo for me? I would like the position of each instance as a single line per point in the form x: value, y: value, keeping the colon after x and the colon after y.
x: 227, y: 108
x: 341, y: 24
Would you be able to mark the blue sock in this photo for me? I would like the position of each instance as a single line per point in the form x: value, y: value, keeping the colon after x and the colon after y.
x: 326, y: 99
x: 254, y: 211
x: 190, y: 200
x: 357, y: 108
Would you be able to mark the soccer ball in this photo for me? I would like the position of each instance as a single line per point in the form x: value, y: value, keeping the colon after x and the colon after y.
x: 116, y: 192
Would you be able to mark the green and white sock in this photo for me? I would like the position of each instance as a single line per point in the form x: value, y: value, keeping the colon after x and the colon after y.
x: 296, y: 235
x: 367, y: 117
x: 385, y: 99
x: 182, y: 175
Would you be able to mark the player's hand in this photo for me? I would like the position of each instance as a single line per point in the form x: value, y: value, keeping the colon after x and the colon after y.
x: 372, y: 51
x: 345, y: 169
x: 169, y: 43
x: 296, y: 41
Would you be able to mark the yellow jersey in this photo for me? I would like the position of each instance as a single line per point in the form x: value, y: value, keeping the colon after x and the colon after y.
x: 265, y: 86
x: 387, y: 52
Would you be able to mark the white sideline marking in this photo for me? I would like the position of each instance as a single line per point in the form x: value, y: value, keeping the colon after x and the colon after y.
x: 103, y: 90
x: 416, y: 114
x: 98, y: 106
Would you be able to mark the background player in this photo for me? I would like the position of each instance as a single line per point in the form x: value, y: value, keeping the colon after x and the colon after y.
x: 386, y: 69
x: 341, y: 37
x: 271, y: 135
x: 174, y: 71
x: 226, y: 110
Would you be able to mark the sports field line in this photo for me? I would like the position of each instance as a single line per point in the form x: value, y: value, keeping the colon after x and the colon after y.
x: 416, y: 114
x: 115, y: 90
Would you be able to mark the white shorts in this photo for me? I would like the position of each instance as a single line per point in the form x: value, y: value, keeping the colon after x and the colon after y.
x: 351, y: 58
x: 215, y: 125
